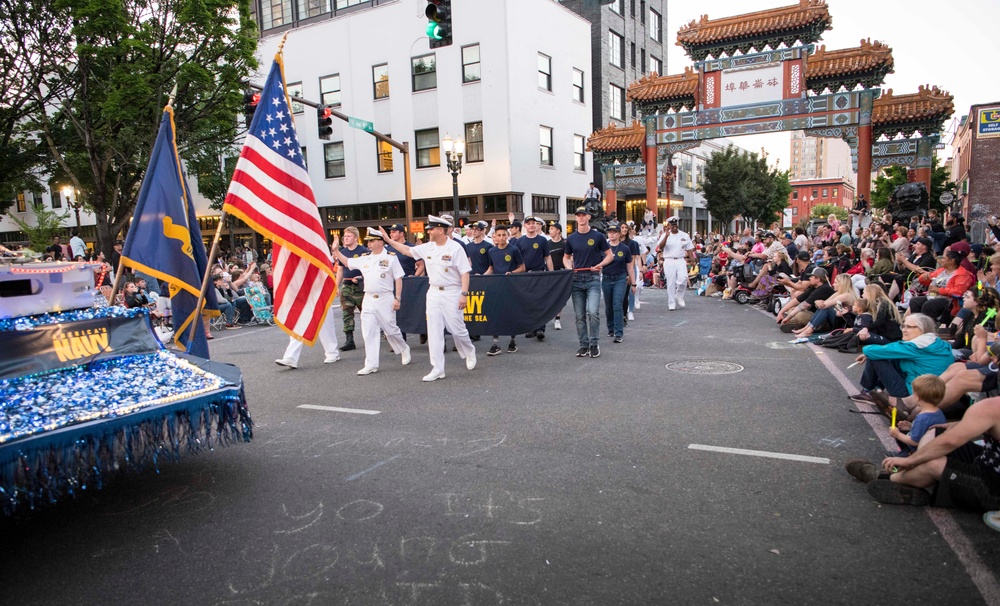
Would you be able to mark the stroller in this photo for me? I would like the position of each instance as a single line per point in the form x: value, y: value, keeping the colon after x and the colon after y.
x: 263, y: 313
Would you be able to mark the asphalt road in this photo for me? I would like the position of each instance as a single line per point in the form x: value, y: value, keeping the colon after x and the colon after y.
x: 537, y: 478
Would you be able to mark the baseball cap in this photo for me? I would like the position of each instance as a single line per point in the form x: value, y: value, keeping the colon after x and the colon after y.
x: 977, y: 248
x: 397, y: 227
x: 768, y: 234
x: 515, y: 223
x: 787, y: 235
x: 612, y: 224
x: 533, y: 218
x: 581, y: 210
x: 819, y: 272
x: 926, y: 242
x: 555, y: 224
x: 803, y: 255
x: 480, y: 225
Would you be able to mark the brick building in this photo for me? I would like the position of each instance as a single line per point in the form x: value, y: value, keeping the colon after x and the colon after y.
x: 808, y: 193
x: 975, y: 167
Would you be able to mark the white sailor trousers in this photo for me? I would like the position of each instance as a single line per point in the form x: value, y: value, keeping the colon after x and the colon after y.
x: 442, y: 313
x: 327, y: 336
x: 675, y: 279
x: 377, y: 314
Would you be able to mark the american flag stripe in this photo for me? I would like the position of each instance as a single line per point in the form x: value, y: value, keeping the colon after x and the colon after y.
x: 272, y: 193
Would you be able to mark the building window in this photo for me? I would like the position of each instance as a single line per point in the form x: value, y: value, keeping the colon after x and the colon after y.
x: 578, y: 152
x: 470, y: 63
x: 795, y: 194
x: 333, y: 156
x: 428, y: 148
x: 825, y: 192
x: 545, y: 145
x: 835, y: 192
x: 275, y: 13
x: 616, y: 6
x: 616, y: 100
x: 642, y: 60
x: 577, y: 85
x: 632, y: 53
x: 655, y: 29
x: 544, y: 72
x: 474, y: 142
x: 384, y: 156
x: 329, y: 90
x: 642, y: 11
x: 56, y: 196
x: 424, y: 72
x: 544, y: 204
x: 815, y: 194
x: 313, y: 8
x: 295, y: 90
x: 795, y: 210
x: 380, y: 80
x: 632, y: 9
x: 616, y: 45
x: 21, y: 206
x: 655, y: 65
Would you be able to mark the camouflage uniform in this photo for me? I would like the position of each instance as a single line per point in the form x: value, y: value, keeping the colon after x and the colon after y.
x: 351, y: 295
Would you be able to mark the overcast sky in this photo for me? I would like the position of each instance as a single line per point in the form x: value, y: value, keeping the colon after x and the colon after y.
x: 953, y: 44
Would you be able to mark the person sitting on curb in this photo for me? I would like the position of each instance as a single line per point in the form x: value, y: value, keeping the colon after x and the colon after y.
x: 799, y: 310
x: 928, y: 391
x: 961, y: 473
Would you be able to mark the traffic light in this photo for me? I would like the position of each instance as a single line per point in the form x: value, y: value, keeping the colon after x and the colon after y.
x: 250, y: 100
x: 325, y: 119
x: 438, y: 14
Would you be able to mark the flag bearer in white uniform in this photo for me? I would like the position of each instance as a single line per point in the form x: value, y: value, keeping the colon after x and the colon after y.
x: 448, y: 270
x: 383, y: 280
x: 327, y: 337
x: 676, y: 246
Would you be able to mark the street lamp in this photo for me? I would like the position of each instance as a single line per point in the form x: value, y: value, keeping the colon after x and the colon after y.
x: 453, y: 151
x: 68, y: 193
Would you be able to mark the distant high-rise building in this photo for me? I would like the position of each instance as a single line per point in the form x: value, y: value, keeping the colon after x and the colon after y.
x: 820, y: 158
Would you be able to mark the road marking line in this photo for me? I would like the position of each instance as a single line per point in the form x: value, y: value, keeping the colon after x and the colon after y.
x: 760, y: 453
x: 372, y: 468
x: 359, y: 411
x: 980, y: 574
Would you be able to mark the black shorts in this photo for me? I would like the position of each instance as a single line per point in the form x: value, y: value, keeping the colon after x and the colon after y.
x: 966, y: 485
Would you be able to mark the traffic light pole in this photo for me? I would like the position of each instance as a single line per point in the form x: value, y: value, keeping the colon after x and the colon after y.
x: 403, y: 147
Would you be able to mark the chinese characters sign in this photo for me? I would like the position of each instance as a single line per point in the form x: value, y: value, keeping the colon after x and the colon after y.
x: 757, y: 84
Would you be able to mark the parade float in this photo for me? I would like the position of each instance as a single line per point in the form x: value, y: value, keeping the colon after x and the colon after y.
x: 87, y: 393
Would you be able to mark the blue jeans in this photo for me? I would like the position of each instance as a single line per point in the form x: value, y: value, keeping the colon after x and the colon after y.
x: 228, y: 312
x: 614, y: 298
x: 827, y: 315
x: 586, y: 304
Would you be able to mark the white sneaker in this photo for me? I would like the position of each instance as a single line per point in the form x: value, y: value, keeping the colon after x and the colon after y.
x: 557, y: 324
x: 680, y: 303
x: 367, y: 370
x: 287, y: 363
x: 434, y: 376
x: 631, y: 316
x: 671, y: 308
x: 470, y: 361
x: 405, y: 356
x: 637, y: 303
x: 330, y: 359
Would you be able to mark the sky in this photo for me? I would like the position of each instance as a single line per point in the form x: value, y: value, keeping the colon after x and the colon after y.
x: 949, y: 44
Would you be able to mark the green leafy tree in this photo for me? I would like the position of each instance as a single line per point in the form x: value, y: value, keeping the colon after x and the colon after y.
x: 894, y: 176
x: 48, y: 224
x: 737, y: 182
x: 103, y: 71
x: 822, y: 211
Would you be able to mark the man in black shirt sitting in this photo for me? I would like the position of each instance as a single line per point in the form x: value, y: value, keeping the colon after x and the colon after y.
x: 920, y: 261
x: 799, y: 310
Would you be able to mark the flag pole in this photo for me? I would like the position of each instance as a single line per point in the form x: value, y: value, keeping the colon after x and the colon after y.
x: 208, y: 273
x: 118, y: 281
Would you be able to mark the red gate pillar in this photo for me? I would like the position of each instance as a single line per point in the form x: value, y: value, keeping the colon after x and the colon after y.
x: 610, y: 200
x: 651, y: 189
x: 865, y: 161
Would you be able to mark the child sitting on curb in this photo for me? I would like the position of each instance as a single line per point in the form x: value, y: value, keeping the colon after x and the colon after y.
x: 928, y: 390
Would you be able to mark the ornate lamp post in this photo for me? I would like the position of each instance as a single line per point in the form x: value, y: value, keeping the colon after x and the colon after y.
x: 454, y: 149
x: 75, y: 203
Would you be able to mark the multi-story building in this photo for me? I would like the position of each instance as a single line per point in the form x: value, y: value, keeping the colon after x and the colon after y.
x: 819, y: 158
x: 627, y: 38
x: 808, y: 193
x: 62, y: 202
x: 515, y: 89
x: 975, y: 167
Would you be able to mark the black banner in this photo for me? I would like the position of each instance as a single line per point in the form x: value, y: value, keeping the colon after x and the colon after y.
x: 497, y: 305
x: 54, y: 346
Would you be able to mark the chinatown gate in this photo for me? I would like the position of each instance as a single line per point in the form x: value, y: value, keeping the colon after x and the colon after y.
x: 762, y: 73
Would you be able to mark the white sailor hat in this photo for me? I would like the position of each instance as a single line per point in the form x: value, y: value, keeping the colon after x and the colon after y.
x: 442, y: 221
x: 672, y: 219
x: 373, y: 234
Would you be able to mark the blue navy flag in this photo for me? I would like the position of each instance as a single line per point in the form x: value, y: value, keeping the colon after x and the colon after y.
x: 164, y: 239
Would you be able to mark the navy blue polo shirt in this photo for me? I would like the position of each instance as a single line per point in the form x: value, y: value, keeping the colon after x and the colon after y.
x: 504, y: 260
x: 621, y: 256
x: 409, y: 264
x: 353, y: 254
x: 478, y: 256
x: 586, y: 249
x: 533, y: 251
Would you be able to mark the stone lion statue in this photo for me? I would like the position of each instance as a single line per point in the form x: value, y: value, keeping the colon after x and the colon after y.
x: 909, y: 200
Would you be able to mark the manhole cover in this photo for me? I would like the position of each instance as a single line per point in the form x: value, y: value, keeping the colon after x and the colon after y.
x: 704, y: 367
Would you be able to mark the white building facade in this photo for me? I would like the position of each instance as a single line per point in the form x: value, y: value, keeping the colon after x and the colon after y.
x: 511, y: 87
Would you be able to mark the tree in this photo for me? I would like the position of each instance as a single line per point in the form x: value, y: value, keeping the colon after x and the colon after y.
x: 48, y: 224
x: 738, y: 182
x: 101, y: 74
x: 822, y: 211
x: 894, y: 176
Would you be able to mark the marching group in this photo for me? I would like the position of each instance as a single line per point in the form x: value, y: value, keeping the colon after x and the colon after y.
x: 916, y: 303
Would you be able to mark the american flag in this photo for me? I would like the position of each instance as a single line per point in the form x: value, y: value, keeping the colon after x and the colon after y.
x: 272, y: 193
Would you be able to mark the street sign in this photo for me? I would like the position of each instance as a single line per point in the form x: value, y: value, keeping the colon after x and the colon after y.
x: 946, y: 198
x: 360, y: 124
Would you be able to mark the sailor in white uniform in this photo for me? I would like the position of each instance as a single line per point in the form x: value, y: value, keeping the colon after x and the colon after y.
x: 383, y: 280
x: 676, y: 246
x: 448, y: 271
